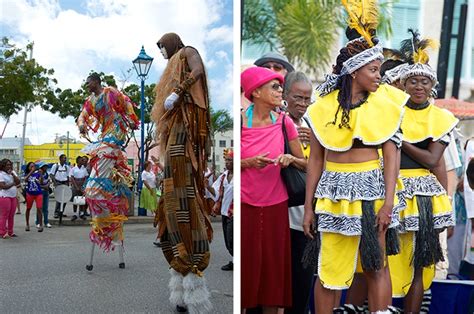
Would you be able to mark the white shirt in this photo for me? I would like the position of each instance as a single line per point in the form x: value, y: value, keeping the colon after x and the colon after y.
x: 228, y: 192
x: 468, y: 192
x: 149, y: 178
x: 78, y: 173
x: 62, y: 172
x: 210, y: 179
x: 7, y: 179
x: 451, y: 156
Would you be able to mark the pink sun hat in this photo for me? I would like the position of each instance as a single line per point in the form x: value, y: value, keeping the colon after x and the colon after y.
x: 254, y: 77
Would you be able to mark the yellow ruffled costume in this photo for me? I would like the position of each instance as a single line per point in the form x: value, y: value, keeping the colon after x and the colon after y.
x: 418, y: 125
x: 430, y: 122
x: 344, y: 188
x: 374, y: 122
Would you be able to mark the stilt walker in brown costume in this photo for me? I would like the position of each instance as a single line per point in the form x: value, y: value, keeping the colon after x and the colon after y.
x: 181, y: 113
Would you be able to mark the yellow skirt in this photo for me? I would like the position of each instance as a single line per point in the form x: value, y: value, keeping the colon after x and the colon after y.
x: 421, y: 182
x: 340, y: 194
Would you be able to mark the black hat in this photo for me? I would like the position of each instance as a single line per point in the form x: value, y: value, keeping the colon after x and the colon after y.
x: 274, y: 57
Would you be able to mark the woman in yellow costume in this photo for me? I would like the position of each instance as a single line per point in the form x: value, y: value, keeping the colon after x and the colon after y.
x: 352, y: 118
x: 426, y: 133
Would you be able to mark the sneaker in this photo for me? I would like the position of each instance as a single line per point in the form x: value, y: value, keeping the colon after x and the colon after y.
x: 48, y: 225
x: 181, y: 309
x: 87, y: 214
x: 56, y: 216
x: 83, y: 217
x: 229, y: 266
x: 27, y: 228
x: 158, y: 244
x: 37, y: 226
x: 40, y: 229
x: 74, y: 217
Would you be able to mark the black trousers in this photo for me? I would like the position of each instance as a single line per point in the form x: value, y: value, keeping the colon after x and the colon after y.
x: 228, y: 227
x: 301, y: 278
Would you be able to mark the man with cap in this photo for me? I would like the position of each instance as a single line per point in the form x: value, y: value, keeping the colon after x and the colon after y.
x: 275, y: 62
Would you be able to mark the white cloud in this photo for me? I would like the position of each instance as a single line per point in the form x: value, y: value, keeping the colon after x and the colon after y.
x: 221, y: 35
x: 111, y: 32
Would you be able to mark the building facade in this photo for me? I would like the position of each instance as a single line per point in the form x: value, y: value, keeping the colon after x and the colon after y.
x: 221, y: 141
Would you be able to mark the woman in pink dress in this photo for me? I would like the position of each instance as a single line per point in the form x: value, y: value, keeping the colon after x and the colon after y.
x: 265, y: 242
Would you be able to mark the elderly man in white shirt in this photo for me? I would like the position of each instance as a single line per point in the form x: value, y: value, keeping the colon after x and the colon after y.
x: 60, y: 176
x: 222, y: 192
x: 77, y: 178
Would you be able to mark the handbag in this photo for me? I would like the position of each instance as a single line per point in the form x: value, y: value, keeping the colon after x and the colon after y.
x: 79, y: 200
x: 294, y: 178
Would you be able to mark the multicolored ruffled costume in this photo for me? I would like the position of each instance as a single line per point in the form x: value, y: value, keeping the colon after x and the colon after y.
x: 428, y: 209
x: 349, y: 195
x: 107, y: 189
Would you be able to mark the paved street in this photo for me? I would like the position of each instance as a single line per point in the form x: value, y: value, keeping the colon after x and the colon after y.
x: 45, y: 272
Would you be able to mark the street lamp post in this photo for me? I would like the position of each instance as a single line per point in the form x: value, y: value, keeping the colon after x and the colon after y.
x: 142, y: 65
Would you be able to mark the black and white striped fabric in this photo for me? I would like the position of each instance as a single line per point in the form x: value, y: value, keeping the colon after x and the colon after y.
x: 394, y: 74
x: 351, y: 186
x: 422, y: 186
x: 418, y: 69
x: 350, y: 65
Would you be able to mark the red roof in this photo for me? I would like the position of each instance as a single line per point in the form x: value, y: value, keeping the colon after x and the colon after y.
x: 463, y: 110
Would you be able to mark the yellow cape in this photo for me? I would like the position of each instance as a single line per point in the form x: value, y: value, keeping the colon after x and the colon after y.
x: 374, y: 122
x: 431, y: 122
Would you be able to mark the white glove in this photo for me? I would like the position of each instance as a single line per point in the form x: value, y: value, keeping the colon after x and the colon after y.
x: 170, y: 100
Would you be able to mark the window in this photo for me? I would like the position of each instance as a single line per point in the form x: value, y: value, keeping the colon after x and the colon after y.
x: 222, y: 143
x: 454, y: 41
x: 405, y: 15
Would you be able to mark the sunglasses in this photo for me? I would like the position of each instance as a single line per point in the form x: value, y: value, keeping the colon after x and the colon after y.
x: 275, y: 66
x: 276, y: 86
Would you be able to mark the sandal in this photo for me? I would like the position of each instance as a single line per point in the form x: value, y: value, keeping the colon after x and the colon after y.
x: 27, y: 228
x: 13, y: 235
x: 6, y: 236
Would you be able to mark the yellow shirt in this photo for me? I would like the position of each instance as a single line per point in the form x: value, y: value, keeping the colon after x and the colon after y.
x: 373, y: 123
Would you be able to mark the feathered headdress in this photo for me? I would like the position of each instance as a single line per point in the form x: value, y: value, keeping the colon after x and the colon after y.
x: 415, y: 49
x: 363, y: 17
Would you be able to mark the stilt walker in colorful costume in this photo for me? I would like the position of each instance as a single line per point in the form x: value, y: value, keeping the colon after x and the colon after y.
x: 426, y: 133
x: 181, y: 113
x: 350, y: 120
x: 109, y: 112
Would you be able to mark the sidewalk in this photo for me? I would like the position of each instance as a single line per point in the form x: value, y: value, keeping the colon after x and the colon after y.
x: 66, y: 221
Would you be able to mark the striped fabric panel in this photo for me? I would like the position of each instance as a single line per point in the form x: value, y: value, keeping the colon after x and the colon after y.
x: 176, y: 150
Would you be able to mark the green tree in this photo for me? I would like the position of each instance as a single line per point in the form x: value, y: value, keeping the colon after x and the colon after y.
x: 221, y: 122
x: 23, y: 82
x: 304, y: 30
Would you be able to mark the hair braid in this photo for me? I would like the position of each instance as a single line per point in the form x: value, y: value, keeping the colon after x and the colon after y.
x: 345, y: 83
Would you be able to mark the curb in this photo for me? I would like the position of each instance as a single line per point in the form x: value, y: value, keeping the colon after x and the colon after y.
x: 131, y: 220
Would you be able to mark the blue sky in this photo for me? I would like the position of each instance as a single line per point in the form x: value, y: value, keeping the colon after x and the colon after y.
x: 75, y: 37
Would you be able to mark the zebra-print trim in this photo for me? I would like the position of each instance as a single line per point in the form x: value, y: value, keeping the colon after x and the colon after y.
x: 349, y: 66
x: 351, y: 186
x: 394, y: 74
x: 346, y: 225
x: 397, y: 138
x: 418, y: 69
x: 412, y: 223
x: 424, y: 185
